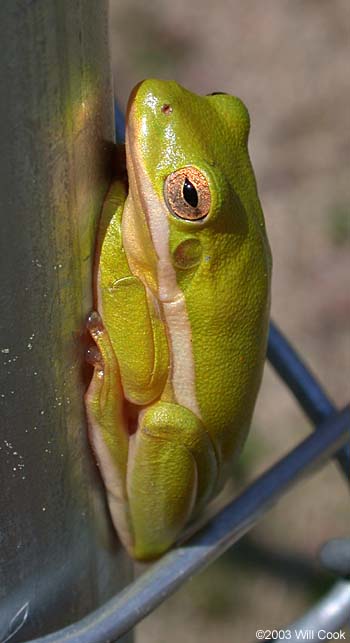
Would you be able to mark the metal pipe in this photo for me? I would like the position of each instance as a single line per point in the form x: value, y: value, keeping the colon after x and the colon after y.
x: 59, y: 556
x: 330, y: 614
x: 122, y: 612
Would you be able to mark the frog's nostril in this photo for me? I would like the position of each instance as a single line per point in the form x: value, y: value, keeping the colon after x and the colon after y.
x: 166, y: 109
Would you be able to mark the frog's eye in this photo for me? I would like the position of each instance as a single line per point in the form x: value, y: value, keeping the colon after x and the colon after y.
x: 187, y: 194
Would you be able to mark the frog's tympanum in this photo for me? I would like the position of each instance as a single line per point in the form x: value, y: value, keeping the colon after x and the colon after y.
x: 182, y: 310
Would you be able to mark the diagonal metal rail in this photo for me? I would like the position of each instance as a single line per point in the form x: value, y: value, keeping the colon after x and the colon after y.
x: 331, y: 438
x: 304, y: 386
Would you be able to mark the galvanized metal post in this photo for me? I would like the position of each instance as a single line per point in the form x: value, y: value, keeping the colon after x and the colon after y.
x: 59, y: 558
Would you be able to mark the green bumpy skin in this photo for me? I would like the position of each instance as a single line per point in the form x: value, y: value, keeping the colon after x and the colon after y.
x: 182, y: 297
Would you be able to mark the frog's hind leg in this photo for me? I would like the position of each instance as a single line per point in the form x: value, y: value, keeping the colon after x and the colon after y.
x: 108, y: 431
x: 172, y: 472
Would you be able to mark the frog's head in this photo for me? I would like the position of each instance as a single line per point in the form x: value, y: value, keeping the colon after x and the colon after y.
x: 187, y: 164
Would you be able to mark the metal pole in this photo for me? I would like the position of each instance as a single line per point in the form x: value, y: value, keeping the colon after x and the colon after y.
x: 59, y: 558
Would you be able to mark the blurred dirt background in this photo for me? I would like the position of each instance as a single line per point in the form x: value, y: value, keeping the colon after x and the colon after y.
x: 289, y: 62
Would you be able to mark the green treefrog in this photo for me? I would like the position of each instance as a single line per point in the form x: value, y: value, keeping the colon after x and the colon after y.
x: 182, y: 308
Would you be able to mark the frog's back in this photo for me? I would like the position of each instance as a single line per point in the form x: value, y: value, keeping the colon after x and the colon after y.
x: 213, y: 259
x: 228, y: 308
x: 227, y: 290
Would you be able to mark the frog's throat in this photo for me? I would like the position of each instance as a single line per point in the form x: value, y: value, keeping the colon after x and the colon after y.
x: 169, y: 294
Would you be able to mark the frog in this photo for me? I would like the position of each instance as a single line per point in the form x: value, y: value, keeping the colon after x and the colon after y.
x: 181, y: 314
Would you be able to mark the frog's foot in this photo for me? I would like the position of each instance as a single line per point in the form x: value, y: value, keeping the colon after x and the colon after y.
x: 102, y: 358
x: 108, y: 433
x: 172, y: 473
x: 104, y: 398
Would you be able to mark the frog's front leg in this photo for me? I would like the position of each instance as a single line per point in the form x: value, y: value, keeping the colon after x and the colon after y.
x: 172, y: 473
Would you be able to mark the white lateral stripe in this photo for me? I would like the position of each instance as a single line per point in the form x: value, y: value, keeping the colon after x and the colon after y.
x: 172, y: 299
x: 183, y: 373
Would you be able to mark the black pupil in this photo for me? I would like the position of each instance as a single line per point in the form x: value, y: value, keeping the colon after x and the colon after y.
x: 190, y: 193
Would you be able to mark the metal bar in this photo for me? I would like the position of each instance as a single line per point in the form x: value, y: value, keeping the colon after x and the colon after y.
x: 56, y: 118
x: 335, y: 556
x: 119, y: 123
x: 121, y: 613
x: 328, y: 615
x: 303, y: 384
x: 298, y: 377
